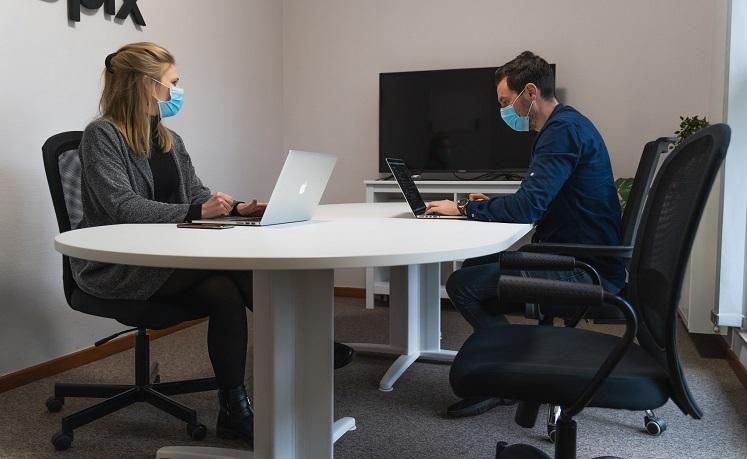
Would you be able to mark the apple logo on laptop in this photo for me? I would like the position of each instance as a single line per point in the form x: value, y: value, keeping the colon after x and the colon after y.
x: 302, y: 190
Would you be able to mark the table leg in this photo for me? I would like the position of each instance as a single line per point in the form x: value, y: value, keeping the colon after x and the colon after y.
x: 370, y: 287
x: 414, y: 321
x: 293, y: 357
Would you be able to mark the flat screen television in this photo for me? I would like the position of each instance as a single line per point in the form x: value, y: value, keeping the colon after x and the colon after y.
x: 447, y: 121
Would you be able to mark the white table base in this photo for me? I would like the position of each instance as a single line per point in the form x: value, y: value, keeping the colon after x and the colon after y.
x: 293, y: 365
x: 293, y: 370
x: 341, y: 426
x: 414, y: 321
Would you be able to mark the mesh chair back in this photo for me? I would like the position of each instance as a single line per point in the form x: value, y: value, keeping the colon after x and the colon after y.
x: 644, y: 175
x: 670, y: 220
x: 62, y: 167
x: 69, y: 164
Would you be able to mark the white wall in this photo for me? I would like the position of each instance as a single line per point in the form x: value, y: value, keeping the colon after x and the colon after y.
x: 229, y: 54
x: 733, y: 228
x: 262, y: 76
x: 631, y: 66
x: 733, y: 259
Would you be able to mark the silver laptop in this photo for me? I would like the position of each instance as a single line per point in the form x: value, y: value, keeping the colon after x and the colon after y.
x: 297, y: 192
x: 404, y: 179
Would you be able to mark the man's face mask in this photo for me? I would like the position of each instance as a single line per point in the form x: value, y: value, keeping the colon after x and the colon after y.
x: 172, y: 106
x: 512, y: 119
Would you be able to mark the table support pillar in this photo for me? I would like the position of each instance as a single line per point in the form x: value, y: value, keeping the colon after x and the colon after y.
x: 293, y: 359
x: 414, y: 321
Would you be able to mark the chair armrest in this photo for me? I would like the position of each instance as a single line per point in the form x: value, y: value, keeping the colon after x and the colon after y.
x: 527, y: 290
x: 529, y: 261
x: 537, y: 261
x: 516, y: 289
x: 580, y: 250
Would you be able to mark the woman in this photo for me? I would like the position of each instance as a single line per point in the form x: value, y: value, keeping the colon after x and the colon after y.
x: 135, y: 170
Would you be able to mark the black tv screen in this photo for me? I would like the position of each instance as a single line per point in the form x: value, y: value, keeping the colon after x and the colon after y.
x: 447, y: 121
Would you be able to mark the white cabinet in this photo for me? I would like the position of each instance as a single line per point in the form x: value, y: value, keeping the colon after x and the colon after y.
x: 377, y: 279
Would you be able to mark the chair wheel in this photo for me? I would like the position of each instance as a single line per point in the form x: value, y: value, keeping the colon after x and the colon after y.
x: 654, y: 425
x: 62, y: 440
x: 196, y: 431
x: 551, y: 433
x: 54, y: 404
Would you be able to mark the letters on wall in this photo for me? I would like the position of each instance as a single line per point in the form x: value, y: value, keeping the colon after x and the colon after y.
x: 128, y: 8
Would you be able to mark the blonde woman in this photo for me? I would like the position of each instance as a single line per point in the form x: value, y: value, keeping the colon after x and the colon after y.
x: 135, y: 170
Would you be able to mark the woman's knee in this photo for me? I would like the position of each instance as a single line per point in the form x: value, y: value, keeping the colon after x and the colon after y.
x: 221, y: 290
x: 219, y: 282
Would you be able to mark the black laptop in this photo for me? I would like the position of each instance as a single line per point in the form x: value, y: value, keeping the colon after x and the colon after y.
x: 404, y: 179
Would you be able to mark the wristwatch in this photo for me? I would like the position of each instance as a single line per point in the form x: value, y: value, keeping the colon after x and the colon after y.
x: 234, y: 208
x: 462, y: 206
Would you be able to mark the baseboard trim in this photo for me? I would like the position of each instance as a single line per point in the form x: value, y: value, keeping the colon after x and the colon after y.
x: 350, y: 292
x: 93, y: 353
x: 81, y: 357
x: 736, y: 365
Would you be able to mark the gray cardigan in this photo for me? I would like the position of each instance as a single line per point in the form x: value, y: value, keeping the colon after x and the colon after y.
x: 117, y: 187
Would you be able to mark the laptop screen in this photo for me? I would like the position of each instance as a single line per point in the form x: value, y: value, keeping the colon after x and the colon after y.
x: 407, y: 185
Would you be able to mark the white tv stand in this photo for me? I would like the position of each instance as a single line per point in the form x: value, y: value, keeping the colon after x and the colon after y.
x: 377, y: 279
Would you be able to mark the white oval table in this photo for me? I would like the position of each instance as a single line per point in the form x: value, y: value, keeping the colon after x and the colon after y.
x: 293, y: 268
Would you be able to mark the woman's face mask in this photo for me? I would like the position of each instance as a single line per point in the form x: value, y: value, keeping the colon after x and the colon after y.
x: 172, y: 106
x: 512, y: 119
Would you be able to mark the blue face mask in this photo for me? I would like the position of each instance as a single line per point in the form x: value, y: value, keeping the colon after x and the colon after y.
x: 172, y: 106
x: 512, y: 119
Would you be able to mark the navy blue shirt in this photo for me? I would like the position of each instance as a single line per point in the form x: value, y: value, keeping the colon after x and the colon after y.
x: 569, y: 192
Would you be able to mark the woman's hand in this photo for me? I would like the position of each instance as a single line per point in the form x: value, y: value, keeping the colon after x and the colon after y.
x: 252, y: 208
x: 219, y: 205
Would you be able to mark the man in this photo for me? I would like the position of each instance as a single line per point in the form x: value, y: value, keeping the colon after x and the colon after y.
x: 568, y: 194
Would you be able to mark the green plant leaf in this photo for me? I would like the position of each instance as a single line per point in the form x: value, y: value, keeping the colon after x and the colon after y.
x: 623, y: 186
x: 690, y: 125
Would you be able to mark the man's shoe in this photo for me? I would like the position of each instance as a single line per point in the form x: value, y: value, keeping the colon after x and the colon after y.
x: 236, y: 418
x: 343, y: 355
x: 475, y: 406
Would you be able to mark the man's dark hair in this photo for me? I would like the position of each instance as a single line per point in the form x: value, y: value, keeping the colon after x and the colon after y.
x: 526, y: 68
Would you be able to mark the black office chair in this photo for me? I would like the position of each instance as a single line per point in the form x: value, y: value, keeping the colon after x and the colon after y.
x: 545, y: 314
x: 63, y: 169
x: 575, y: 368
x: 630, y: 221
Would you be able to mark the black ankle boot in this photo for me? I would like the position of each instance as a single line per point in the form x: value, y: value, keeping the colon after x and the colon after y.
x: 343, y: 355
x: 236, y: 418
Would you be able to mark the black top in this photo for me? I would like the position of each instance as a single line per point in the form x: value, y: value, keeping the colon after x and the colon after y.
x: 165, y: 174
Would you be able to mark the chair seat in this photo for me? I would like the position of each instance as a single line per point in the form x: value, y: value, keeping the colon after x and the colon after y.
x: 553, y: 365
x: 142, y: 314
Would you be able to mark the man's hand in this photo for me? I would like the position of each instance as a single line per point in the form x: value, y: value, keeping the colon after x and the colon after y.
x: 252, y: 208
x: 444, y: 207
x: 478, y: 197
x: 219, y: 205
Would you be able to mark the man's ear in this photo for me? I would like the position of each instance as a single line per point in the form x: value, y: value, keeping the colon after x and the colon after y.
x: 533, y: 91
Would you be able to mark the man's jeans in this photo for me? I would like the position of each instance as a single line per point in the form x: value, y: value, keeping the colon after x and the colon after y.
x: 473, y: 289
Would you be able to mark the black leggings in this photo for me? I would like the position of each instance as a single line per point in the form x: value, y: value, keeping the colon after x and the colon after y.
x: 225, y: 295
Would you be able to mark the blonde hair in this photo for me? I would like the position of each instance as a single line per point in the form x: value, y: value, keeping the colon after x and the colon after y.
x: 127, y: 99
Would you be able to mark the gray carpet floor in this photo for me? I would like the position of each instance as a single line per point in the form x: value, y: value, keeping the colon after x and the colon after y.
x: 405, y: 423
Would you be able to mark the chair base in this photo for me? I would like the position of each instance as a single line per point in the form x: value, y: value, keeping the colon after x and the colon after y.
x: 565, y: 444
x: 119, y: 396
x: 521, y: 451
